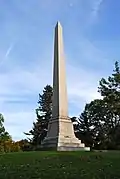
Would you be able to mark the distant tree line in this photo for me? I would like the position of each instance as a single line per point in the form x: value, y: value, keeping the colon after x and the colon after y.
x: 6, y: 142
x: 98, y: 126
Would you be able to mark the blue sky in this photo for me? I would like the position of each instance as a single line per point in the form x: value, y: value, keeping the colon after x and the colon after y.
x: 91, y: 39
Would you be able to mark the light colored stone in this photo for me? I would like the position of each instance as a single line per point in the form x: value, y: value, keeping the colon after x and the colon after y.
x: 60, y: 134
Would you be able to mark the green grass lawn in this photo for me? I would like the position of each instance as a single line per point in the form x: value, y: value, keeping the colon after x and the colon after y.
x: 60, y: 165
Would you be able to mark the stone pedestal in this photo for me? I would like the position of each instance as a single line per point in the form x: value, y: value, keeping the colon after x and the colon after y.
x: 61, y: 136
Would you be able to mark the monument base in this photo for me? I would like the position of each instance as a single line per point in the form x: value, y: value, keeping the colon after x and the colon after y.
x: 61, y: 137
x: 63, y: 144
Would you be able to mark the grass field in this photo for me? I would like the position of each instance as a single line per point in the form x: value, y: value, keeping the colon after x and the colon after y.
x: 60, y: 165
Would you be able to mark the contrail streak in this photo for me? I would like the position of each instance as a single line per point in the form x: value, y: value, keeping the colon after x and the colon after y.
x: 6, y: 54
x: 8, y: 51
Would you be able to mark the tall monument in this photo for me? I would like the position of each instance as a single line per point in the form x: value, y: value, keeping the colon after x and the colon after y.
x: 60, y: 134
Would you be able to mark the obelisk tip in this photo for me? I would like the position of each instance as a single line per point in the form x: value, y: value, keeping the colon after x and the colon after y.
x: 58, y: 23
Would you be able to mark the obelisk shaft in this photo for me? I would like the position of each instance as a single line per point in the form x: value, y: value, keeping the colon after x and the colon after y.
x: 60, y: 101
x: 60, y: 135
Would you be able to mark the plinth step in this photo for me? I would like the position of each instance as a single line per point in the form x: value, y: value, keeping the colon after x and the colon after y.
x: 65, y: 148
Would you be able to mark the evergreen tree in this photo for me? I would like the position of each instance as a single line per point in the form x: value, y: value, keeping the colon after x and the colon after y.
x: 43, y: 113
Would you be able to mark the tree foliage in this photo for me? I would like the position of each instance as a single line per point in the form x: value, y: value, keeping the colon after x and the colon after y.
x: 110, y: 90
x: 43, y: 113
x: 4, y: 135
x: 99, y: 123
x: 6, y: 142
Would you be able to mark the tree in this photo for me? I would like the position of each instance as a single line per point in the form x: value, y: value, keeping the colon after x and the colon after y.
x: 24, y: 145
x: 43, y: 113
x: 95, y: 124
x: 99, y: 123
x: 110, y: 90
x: 2, y: 129
x: 85, y: 127
x: 3, y: 134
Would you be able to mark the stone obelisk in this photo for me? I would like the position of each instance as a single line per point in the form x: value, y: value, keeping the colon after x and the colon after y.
x: 60, y: 134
